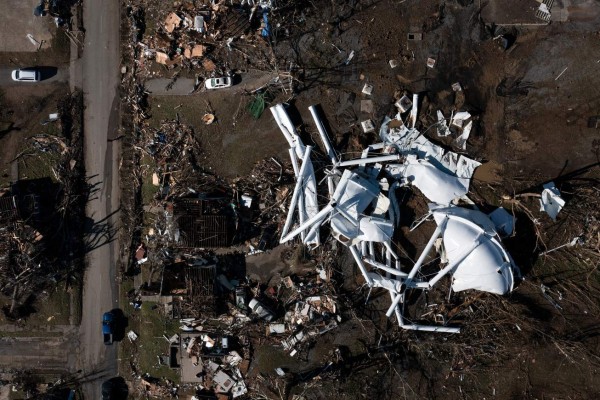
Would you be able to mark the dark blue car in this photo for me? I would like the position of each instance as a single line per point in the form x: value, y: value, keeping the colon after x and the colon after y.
x: 108, y: 320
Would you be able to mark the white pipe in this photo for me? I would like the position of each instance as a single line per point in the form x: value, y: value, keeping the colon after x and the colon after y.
x: 361, y: 266
x: 379, y: 265
x: 395, y: 303
x: 391, y: 157
x: 365, y: 154
x: 301, y: 202
x: 275, y: 110
x: 363, y: 248
x: 388, y: 260
x: 414, y: 111
x: 301, y: 207
x: 397, y: 310
x: 371, y: 249
x: 418, y: 285
x: 430, y: 328
x: 436, y: 234
x: 330, y: 186
x: 297, y: 188
x: 318, y: 216
x: 302, y: 215
x: 454, y: 263
x: 390, y: 250
x: 323, y: 134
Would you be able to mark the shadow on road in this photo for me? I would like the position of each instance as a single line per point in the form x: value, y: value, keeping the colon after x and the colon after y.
x: 120, y: 324
x: 99, y: 233
x: 10, y: 128
x: 117, y: 387
x: 47, y: 72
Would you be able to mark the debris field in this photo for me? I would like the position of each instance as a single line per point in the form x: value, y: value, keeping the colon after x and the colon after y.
x: 427, y: 226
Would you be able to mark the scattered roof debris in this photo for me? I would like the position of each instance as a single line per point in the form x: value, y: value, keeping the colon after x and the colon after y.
x: 551, y: 202
x: 224, y: 314
x: 503, y: 220
x: 543, y: 11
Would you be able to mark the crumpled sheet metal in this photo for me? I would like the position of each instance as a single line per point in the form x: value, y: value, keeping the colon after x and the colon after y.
x: 473, y: 252
x: 411, y: 141
x: 551, y: 201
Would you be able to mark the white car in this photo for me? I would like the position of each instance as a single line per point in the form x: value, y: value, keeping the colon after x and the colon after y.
x: 259, y: 309
x: 218, y: 83
x: 26, y: 75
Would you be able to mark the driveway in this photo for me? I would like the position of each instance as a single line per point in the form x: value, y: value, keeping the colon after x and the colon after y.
x: 248, y: 81
x: 48, y: 75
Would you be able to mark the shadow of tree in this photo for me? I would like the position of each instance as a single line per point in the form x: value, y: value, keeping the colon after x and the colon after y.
x: 99, y: 233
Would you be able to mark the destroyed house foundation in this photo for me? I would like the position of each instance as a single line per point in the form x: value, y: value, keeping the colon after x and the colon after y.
x: 199, y: 229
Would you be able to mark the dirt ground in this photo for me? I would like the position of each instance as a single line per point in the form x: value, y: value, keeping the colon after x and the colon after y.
x: 23, y: 107
x: 511, y: 131
x: 23, y: 111
x: 532, y: 103
x: 17, y: 21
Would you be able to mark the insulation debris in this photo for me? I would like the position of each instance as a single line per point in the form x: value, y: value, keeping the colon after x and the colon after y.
x: 551, y: 201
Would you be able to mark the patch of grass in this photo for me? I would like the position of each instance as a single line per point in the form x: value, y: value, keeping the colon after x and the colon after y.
x: 77, y: 295
x: 61, y: 45
x: 18, y: 395
x: 55, y: 307
x: 125, y: 348
x: 30, y: 334
x: 148, y: 189
x: 37, y: 165
x: 190, y: 109
x: 153, y: 324
x: 52, y: 308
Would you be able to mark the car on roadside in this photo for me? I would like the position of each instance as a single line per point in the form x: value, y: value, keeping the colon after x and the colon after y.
x: 218, y: 83
x: 108, y: 321
x: 26, y: 75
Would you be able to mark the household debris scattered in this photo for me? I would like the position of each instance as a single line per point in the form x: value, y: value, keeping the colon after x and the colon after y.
x: 362, y: 203
x: 551, y: 202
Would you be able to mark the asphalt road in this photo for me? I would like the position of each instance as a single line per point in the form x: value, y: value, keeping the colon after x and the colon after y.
x: 49, y: 75
x: 100, y: 69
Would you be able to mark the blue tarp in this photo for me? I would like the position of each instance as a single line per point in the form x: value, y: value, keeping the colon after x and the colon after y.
x: 266, y: 31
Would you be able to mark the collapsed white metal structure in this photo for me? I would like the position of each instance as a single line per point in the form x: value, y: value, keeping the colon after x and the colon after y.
x: 363, y: 212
